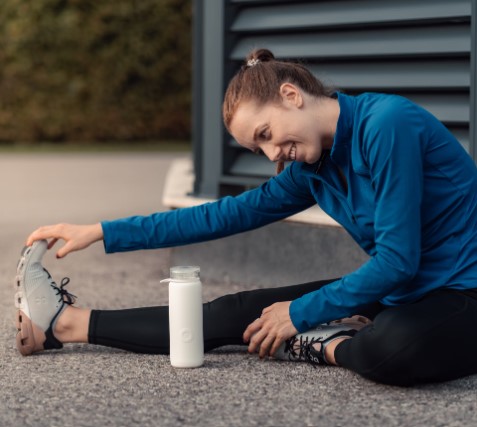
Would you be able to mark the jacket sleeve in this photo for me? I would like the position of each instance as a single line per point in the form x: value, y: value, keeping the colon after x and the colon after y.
x: 276, y: 199
x: 392, y: 148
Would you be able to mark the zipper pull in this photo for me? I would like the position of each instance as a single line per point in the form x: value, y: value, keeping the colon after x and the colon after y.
x: 324, y: 155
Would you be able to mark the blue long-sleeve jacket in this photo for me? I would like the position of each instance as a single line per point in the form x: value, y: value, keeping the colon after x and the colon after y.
x: 410, y: 203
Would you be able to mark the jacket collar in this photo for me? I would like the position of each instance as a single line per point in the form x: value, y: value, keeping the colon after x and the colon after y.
x: 344, y: 127
x: 342, y: 138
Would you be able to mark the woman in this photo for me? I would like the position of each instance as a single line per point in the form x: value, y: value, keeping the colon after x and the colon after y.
x: 388, y: 171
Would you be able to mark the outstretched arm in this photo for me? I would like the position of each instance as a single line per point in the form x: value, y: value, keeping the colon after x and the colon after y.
x: 278, y: 198
x: 275, y: 200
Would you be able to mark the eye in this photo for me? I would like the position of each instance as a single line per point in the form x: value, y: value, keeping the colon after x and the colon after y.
x: 265, y: 135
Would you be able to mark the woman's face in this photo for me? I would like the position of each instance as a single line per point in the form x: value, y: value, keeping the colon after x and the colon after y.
x: 290, y: 130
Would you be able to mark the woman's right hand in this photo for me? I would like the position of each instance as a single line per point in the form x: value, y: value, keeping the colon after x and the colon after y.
x: 76, y: 237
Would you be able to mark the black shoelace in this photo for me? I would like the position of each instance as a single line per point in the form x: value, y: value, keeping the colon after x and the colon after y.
x: 303, y: 352
x: 65, y: 296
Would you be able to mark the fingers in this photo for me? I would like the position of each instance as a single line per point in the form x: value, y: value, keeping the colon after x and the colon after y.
x: 53, y: 233
x: 265, y: 342
x: 76, y: 237
x: 266, y: 334
x: 252, y: 329
x: 268, y: 309
x: 255, y: 335
x: 64, y: 250
x: 265, y: 346
x: 46, y: 232
x: 276, y: 344
x: 255, y: 326
x: 52, y: 243
x: 32, y: 238
x: 255, y: 332
x: 257, y: 341
x: 261, y: 338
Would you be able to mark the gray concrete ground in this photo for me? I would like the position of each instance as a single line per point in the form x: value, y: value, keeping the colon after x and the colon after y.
x: 84, y: 385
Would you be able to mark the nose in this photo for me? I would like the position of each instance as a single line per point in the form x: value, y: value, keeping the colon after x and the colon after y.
x: 273, y: 153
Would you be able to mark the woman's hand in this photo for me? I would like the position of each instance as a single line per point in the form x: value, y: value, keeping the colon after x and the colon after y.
x: 76, y: 236
x: 269, y: 331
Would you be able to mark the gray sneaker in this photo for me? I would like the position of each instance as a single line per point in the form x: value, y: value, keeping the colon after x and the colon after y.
x: 300, y: 347
x: 39, y: 301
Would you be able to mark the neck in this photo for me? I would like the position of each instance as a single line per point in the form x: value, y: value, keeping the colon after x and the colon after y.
x: 328, y: 112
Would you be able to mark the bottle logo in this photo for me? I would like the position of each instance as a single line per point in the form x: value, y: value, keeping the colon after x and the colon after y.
x: 186, y: 335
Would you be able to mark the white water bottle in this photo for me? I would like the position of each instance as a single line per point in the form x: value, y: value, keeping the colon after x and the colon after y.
x: 185, y: 317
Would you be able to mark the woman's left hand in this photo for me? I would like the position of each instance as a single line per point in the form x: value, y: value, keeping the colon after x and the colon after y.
x: 270, y: 330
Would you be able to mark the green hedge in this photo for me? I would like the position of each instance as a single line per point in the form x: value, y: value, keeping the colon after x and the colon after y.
x: 81, y: 70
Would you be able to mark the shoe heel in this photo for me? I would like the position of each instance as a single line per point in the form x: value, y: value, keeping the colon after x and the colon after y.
x: 25, y: 338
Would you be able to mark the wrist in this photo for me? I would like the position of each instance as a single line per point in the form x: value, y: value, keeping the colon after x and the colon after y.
x: 97, y: 232
x: 294, y: 316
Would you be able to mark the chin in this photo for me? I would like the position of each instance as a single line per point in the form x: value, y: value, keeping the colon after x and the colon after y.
x: 312, y: 160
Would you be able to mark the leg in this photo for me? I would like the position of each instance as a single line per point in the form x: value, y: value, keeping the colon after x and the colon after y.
x: 45, y: 318
x: 72, y: 325
x: 428, y: 341
x: 355, y: 322
x: 146, y: 330
x: 138, y: 329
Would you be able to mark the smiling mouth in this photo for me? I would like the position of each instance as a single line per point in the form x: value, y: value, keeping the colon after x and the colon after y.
x: 292, y: 153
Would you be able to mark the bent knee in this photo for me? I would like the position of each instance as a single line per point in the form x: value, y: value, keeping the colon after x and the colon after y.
x: 380, y: 358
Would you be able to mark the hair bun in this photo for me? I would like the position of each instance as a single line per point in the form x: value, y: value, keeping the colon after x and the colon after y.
x: 259, y: 55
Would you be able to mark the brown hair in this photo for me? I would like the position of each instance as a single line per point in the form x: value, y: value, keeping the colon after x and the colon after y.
x: 260, y: 79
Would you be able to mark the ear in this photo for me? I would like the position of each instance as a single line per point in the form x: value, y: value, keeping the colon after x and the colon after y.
x: 291, y: 94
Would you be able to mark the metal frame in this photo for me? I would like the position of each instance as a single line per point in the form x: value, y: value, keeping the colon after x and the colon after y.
x: 225, y: 29
x: 197, y: 76
x: 473, y: 84
x: 208, y: 93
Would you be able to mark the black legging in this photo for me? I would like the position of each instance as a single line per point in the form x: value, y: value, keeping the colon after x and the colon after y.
x: 433, y: 339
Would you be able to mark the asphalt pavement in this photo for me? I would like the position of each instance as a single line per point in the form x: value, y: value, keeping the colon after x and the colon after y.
x: 86, y: 385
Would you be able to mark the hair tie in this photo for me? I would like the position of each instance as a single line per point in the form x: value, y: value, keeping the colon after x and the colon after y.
x: 252, y: 62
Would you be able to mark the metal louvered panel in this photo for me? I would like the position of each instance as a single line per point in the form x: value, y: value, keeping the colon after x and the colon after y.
x: 295, y: 16
x: 420, y: 50
x: 439, y: 40
x: 412, y: 74
x: 450, y: 108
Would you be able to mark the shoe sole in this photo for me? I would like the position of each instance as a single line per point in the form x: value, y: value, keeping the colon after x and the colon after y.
x: 25, y: 337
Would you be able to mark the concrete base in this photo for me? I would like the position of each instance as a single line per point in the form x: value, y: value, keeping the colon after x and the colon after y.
x: 308, y: 246
x: 280, y: 254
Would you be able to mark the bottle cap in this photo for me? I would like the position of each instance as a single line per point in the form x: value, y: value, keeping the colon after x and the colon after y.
x: 185, y: 272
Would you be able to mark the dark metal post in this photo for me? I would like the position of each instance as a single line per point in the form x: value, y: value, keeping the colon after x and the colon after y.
x: 473, y: 83
x: 208, y: 92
